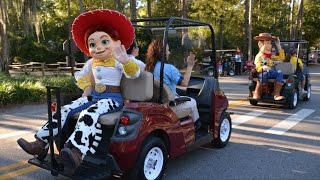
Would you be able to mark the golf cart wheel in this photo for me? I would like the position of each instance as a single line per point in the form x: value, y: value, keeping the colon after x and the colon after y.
x: 308, y: 94
x: 210, y: 72
x: 224, y: 131
x: 231, y: 72
x: 253, y: 102
x: 294, y: 99
x: 152, y: 160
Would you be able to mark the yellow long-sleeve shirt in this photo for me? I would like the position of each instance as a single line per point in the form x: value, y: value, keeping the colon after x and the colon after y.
x: 105, y: 72
x: 293, y: 61
x: 262, y: 60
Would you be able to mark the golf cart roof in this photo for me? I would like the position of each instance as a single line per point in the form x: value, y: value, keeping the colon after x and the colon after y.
x: 294, y: 41
x: 172, y: 22
x: 223, y: 50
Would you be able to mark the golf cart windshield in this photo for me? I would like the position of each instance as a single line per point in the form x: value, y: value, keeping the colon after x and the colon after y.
x: 183, y: 37
x: 301, y: 47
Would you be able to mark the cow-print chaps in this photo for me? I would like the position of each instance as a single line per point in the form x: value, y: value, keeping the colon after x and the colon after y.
x: 87, y: 133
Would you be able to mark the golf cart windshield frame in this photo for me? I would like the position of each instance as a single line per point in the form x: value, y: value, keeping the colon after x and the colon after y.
x: 299, y: 42
x: 168, y: 23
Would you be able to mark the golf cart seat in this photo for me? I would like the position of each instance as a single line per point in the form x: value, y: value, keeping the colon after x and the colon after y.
x: 286, y: 68
x: 169, y: 98
x: 139, y: 89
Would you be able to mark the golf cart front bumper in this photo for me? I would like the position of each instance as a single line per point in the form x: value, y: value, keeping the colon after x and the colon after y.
x: 91, y: 168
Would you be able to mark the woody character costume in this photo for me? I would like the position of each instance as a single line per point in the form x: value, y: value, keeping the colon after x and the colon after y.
x: 264, y: 62
x: 104, y: 35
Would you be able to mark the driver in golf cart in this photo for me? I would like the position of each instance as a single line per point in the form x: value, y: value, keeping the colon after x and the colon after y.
x: 298, y: 68
x: 264, y: 62
x: 104, y: 35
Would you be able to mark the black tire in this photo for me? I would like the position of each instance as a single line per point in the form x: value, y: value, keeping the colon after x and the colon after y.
x: 155, y: 147
x: 253, y: 102
x: 293, y: 99
x: 225, y: 128
x: 307, y: 98
x: 210, y: 72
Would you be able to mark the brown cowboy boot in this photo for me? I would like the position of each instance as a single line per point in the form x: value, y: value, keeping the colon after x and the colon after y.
x: 257, y: 91
x: 70, y: 158
x: 37, y: 147
x: 276, y: 91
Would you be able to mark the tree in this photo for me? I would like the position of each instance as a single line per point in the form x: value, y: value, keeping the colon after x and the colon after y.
x: 119, y: 6
x: 149, y: 8
x: 133, y: 9
x: 311, y: 23
x: 4, y: 61
x: 246, y: 29
x: 184, y: 8
x: 299, y: 20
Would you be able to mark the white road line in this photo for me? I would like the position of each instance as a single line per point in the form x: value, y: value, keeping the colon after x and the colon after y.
x: 246, y: 117
x: 16, y: 133
x: 288, y: 123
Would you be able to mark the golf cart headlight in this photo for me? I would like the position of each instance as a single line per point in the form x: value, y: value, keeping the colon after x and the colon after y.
x: 122, y: 130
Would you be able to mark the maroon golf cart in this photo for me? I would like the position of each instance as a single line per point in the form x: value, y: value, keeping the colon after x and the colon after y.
x: 138, y: 140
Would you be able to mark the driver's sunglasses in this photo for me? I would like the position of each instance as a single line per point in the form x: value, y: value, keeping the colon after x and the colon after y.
x: 136, y: 47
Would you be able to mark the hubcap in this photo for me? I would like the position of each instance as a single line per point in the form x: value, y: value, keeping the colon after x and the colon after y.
x: 153, y: 163
x: 224, y: 130
x: 295, y: 99
x: 309, y: 92
x: 210, y: 73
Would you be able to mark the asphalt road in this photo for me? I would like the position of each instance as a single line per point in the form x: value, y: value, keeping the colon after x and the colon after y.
x: 267, y: 142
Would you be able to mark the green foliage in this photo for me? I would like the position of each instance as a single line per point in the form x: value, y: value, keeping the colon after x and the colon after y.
x: 232, y: 22
x: 267, y: 16
x: 28, y: 50
x: 25, y: 89
x: 166, y: 8
x: 312, y: 21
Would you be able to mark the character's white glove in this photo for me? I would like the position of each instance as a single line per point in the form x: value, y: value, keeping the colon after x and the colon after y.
x: 119, y: 52
x: 265, y: 68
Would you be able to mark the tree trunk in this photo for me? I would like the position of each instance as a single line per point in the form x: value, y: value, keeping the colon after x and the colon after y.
x: 291, y: 20
x: 184, y: 8
x: 245, y: 29
x: 81, y: 6
x: 249, y: 32
x: 133, y: 9
x: 149, y: 8
x: 119, y: 5
x: 299, y: 21
x: 247, y: 25
x: 4, y: 51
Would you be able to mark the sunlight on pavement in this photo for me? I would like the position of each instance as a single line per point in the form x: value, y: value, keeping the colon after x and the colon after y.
x: 272, y: 142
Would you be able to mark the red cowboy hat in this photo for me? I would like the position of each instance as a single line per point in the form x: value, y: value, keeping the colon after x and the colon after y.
x: 94, y: 18
x: 265, y: 37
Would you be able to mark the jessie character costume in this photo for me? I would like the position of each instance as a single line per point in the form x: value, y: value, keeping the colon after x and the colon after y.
x: 104, y: 35
x: 264, y: 62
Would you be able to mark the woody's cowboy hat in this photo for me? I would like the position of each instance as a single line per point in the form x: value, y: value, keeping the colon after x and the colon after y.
x: 94, y: 18
x: 265, y: 37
